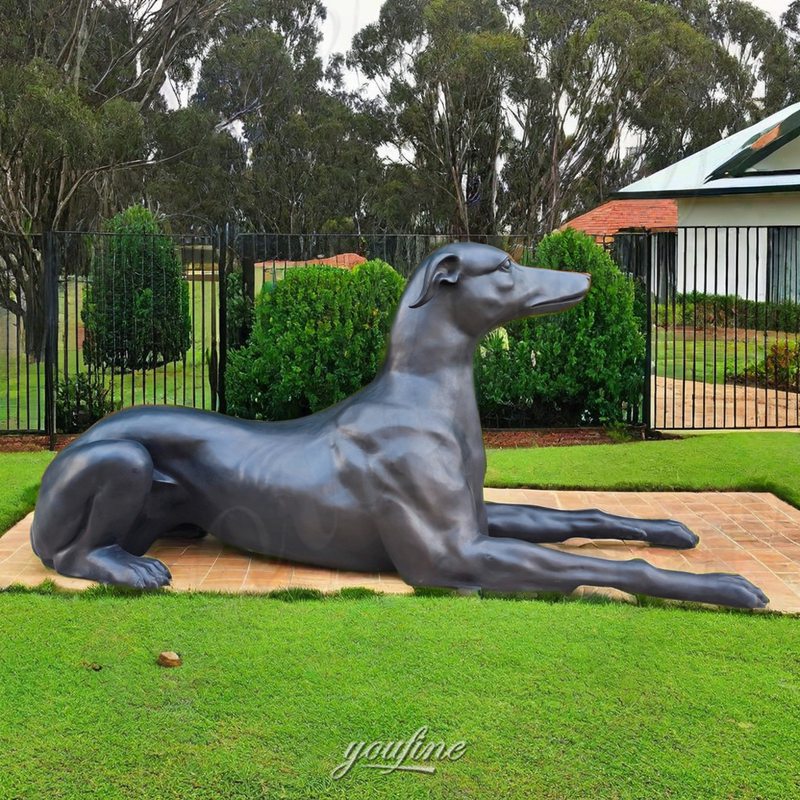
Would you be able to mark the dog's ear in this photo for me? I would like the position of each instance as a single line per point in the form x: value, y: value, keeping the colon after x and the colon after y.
x: 443, y: 268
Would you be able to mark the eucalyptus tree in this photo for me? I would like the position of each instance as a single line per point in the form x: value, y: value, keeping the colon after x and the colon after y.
x: 602, y: 94
x: 790, y: 22
x: 442, y: 68
x: 77, y: 79
x: 310, y: 147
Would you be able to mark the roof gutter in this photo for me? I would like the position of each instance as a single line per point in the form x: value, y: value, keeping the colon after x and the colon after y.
x: 705, y: 192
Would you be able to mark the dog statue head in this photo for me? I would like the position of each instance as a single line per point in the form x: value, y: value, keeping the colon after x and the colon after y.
x: 480, y: 287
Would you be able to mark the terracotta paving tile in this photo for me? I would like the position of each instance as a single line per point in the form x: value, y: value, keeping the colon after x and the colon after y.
x: 749, y: 532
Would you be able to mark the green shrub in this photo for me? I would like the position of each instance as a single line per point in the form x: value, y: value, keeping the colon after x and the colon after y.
x: 80, y: 402
x: 584, y: 366
x: 779, y: 369
x: 239, y: 310
x: 136, y: 306
x: 318, y: 336
x: 699, y: 310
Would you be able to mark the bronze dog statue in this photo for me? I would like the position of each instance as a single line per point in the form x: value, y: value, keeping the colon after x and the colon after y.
x: 390, y: 479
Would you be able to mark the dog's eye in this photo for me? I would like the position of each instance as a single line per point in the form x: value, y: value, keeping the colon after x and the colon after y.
x: 506, y: 265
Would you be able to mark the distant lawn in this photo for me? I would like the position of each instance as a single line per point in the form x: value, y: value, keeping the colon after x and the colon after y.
x: 176, y: 383
x: 707, y: 359
x: 554, y: 700
x: 722, y: 462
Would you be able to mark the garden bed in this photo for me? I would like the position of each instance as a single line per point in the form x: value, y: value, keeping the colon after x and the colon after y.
x: 495, y: 438
x: 553, y: 437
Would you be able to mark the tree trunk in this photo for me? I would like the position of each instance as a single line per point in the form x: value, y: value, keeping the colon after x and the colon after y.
x: 22, y: 291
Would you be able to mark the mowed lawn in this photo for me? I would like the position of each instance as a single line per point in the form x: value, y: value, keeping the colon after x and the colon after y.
x: 709, y: 358
x: 20, y: 474
x: 743, y: 461
x: 554, y: 700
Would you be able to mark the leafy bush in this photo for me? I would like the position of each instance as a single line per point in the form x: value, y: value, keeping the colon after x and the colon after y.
x: 80, y: 402
x: 584, y: 366
x: 779, y: 369
x: 318, y: 336
x: 136, y: 307
x: 239, y: 310
x: 696, y: 309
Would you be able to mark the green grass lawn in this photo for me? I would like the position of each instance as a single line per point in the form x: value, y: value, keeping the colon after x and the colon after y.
x: 744, y: 461
x: 708, y: 359
x: 20, y: 474
x: 554, y: 700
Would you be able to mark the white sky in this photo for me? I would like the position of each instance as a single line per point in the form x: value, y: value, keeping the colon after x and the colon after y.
x: 347, y: 17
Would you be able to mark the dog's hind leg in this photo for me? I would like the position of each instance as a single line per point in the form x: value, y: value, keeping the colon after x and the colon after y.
x: 547, y: 525
x: 91, y: 498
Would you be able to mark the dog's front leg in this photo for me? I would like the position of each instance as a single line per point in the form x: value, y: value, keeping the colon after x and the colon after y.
x: 430, y: 527
x: 547, y: 525
x: 510, y: 565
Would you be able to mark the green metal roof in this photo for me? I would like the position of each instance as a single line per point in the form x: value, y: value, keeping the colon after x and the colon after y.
x: 730, y: 166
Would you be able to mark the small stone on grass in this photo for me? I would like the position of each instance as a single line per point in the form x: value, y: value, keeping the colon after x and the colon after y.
x: 169, y: 659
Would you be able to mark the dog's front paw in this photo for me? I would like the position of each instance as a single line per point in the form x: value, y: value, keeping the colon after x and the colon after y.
x: 669, y: 533
x: 734, y: 591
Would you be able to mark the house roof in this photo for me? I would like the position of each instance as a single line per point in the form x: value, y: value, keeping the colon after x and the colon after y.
x: 617, y: 215
x: 342, y: 260
x: 762, y: 158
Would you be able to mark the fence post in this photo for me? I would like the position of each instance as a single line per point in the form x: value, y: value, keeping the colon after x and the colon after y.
x: 50, y: 288
x: 248, y: 260
x: 650, y: 267
x: 222, y: 405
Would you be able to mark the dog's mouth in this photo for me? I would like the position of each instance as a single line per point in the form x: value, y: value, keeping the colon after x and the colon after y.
x: 563, y: 303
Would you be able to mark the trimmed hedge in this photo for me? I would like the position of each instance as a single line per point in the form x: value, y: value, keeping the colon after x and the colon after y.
x: 584, y: 366
x: 318, y: 336
x: 696, y: 309
x: 136, y: 307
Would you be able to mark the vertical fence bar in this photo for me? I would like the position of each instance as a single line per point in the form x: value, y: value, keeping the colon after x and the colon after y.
x: 748, y: 321
x: 50, y: 263
x: 648, y: 334
x: 694, y: 334
x: 222, y: 405
x: 8, y: 370
x: 726, y: 307
x: 652, y: 354
x: 736, y: 331
x: 203, y: 323
x: 75, y: 310
x: 684, y: 382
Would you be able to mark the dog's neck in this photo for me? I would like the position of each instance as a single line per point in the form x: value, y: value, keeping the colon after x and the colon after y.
x: 422, y: 343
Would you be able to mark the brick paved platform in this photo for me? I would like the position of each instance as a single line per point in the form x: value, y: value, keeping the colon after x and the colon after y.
x: 755, y: 534
x: 679, y: 404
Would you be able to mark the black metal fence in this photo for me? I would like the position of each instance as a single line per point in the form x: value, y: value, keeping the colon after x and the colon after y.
x: 82, y: 333
x: 720, y: 308
x: 93, y: 321
x: 722, y: 318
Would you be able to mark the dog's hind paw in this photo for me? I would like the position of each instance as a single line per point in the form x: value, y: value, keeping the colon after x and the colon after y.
x: 113, y: 565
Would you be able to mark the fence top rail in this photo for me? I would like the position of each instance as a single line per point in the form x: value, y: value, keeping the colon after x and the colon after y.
x: 174, y: 235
